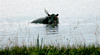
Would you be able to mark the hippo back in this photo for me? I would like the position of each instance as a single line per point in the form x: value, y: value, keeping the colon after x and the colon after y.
x: 41, y: 20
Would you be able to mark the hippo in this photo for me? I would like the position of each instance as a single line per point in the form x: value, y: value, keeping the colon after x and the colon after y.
x: 49, y: 19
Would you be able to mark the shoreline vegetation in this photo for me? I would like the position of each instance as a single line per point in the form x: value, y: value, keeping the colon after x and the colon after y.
x: 51, y: 50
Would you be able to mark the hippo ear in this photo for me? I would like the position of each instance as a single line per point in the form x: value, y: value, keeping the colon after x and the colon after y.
x: 57, y: 14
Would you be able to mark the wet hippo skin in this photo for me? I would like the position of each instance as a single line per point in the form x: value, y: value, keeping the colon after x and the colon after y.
x: 50, y: 19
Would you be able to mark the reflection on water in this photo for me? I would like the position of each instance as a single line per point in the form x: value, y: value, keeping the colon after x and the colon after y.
x: 51, y: 29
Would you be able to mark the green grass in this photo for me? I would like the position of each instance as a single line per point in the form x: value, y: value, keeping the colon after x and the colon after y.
x: 51, y: 50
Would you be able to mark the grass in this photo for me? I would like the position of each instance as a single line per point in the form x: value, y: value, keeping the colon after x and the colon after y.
x: 51, y: 50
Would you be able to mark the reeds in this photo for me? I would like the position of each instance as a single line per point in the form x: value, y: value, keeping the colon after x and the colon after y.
x: 51, y: 50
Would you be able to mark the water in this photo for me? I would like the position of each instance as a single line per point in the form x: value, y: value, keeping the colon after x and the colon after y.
x: 77, y: 25
x: 22, y: 33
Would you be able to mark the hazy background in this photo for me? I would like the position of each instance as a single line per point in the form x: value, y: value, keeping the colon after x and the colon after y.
x: 67, y: 9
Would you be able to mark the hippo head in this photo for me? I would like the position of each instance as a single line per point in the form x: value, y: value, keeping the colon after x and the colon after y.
x: 53, y: 19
